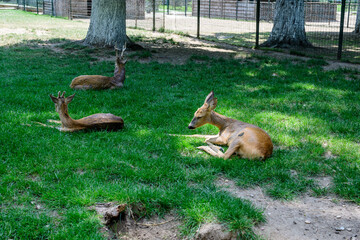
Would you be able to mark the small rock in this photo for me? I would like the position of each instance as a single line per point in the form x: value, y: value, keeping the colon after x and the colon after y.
x: 262, y: 228
x: 338, y: 217
x: 349, y: 229
x: 307, y: 221
x: 213, y: 231
x: 252, y: 195
x: 337, y: 232
x: 340, y: 229
x: 38, y: 207
x: 294, y: 222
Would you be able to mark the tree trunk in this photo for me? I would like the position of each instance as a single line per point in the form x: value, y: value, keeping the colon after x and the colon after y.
x: 357, y: 23
x: 107, y: 23
x: 289, y: 25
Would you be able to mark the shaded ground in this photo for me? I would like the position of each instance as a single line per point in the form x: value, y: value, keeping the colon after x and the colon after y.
x: 176, y: 49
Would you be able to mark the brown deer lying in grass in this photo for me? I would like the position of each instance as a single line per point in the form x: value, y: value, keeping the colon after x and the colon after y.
x: 102, y: 82
x: 243, y: 139
x: 100, y: 121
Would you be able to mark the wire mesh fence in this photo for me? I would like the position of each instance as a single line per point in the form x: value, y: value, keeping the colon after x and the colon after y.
x: 231, y: 21
x: 26, y: 5
x: 234, y: 22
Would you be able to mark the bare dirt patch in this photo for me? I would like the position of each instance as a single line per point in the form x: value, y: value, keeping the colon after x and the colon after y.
x: 307, y: 217
x: 123, y: 222
x: 4, y: 31
x: 333, y: 65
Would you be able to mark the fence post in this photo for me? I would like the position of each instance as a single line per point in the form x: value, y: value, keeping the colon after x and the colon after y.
x: 209, y: 7
x: 164, y: 17
x: 341, y: 33
x: 24, y: 5
x: 153, y: 15
x: 348, y: 18
x: 185, y: 7
x: 70, y: 10
x: 237, y: 9
x: 257, y: 23
x: 37, y: 6
x: 198, y: 19
x: 52, y: 7
x: 168, y: 7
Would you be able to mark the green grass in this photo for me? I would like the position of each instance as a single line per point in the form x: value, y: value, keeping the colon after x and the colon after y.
x: 305, y: 110
x: 176, y: 8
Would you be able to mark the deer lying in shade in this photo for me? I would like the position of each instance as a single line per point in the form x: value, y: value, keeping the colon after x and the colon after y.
x: 100, y: 121
x: 99, y: 82
x: 244, y: 139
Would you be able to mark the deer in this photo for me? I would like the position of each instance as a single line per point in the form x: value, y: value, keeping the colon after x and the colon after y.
x: 99, y: 82
x: 99, y: 121
x: 243, y: 139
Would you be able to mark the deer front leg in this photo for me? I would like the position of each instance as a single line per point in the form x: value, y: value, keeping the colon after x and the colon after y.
x: 54, y: 121
x: 219, y: 140
x: 216, y: 150
x: 64, y: 129
x: 211, y: 151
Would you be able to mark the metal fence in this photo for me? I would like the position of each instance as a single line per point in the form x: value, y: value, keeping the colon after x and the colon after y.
x: 26, y: 5
x: 234, y: 22
x: 231, y: 21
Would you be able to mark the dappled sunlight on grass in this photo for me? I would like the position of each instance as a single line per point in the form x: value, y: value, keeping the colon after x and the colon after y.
x: 311, y: 115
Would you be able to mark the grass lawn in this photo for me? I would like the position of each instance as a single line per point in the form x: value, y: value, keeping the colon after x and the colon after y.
x: 308, y: 113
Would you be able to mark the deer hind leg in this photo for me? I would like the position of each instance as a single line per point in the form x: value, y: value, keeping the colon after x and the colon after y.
x: 82, y: 87
x: 234, y: 146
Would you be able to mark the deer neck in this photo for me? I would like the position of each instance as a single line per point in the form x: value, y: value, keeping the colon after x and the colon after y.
x: 65, y: 118
x: 218, y: 120
x: 119, y: 75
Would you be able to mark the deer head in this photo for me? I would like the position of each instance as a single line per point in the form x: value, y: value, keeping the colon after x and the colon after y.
x: 120, y: 61
x: 61, y: 102
x: 202, y: 115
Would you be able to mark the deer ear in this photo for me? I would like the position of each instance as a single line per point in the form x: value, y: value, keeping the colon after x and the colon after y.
x: 54, y: 99
x: 209, y: 97
x: 69, y: 99
x: 211, y: 101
